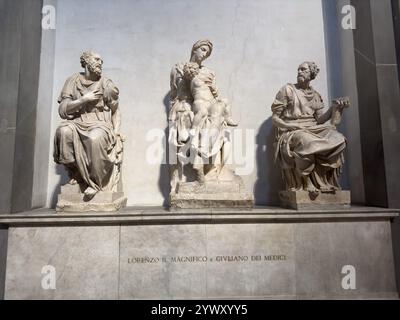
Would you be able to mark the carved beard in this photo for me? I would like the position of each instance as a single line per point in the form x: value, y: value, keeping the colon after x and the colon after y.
x: 302, y: 79
x: 95, y: 68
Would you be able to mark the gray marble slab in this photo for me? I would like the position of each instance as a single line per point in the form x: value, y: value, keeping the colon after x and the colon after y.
x: 85, y: 260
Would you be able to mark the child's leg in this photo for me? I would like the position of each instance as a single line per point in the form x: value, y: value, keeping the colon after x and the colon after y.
x: 202, y: 112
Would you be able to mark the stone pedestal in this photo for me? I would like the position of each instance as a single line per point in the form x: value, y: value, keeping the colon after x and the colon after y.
x: 304, y: 200
x: 207, y: 254
x: 211, y: 194
x: 72, y: 199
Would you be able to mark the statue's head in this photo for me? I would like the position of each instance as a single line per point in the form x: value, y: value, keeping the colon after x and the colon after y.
x: 307, y: 72
x: 190, y: 70
x: 201, y: 50
x: 93, y: 62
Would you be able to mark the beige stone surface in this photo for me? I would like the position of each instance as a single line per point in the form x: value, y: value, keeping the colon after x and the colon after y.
x: 72, y: 199
x: 251, y: 277
x: 211, y: 194
x: 156, y: 279
x: 231, y: 254
x: 85, y: 260
x: 306, y: 200
x: 322, y: 250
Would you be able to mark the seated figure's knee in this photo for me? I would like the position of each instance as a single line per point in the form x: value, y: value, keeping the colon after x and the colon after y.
x: 339, y: 136
x: 96, y: 135
x: 64, y: 132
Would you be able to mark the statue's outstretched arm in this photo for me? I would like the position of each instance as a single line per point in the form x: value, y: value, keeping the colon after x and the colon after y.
x: 323, y: 116
x: 334, y: 113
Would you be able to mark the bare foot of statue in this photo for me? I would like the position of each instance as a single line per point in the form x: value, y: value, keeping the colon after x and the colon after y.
x: 90, y: 192
x: 72, y: 174
x: 326, y: 189
x: 72, y: 181
x: 231, y: 123
x: 312, y: 190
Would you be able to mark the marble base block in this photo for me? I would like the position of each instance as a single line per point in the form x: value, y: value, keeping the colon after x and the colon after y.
x: 304, y: 200
x: 72, y: 199
x: 211, y: 194
x: 224, y: 254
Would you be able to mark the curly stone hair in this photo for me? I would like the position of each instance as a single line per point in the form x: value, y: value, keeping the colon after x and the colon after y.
x: 190, y: 70
x: 85, y: 58
x: 314, y: 69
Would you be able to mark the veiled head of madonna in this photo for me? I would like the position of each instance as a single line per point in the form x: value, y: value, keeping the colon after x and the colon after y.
x: 201, y: 50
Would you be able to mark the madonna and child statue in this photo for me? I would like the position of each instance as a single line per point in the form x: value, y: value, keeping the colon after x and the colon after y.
x: 199, y: 137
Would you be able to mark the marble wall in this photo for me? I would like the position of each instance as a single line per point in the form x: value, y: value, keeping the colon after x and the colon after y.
x: 258, y: 45
x: 201, y: 261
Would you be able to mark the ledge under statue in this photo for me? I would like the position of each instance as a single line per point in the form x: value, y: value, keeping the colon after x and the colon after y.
x: 199, y: 137
x: 308, y: 148
x: 88, y: 142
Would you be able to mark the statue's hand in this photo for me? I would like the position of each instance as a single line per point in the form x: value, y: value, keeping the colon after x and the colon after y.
x: 341, y: 103
x: 121, y: 137
x: 92, y: 96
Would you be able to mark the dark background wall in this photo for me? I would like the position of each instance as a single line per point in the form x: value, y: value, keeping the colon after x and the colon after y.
x: 3, y: 259
x: 20, y: 38
x: 396, y: 224
x: 379, y: 97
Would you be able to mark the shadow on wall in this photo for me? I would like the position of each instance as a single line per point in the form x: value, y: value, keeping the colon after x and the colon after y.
x: 62, y: 173
x: 269, y: 180
x: 164, y: 180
